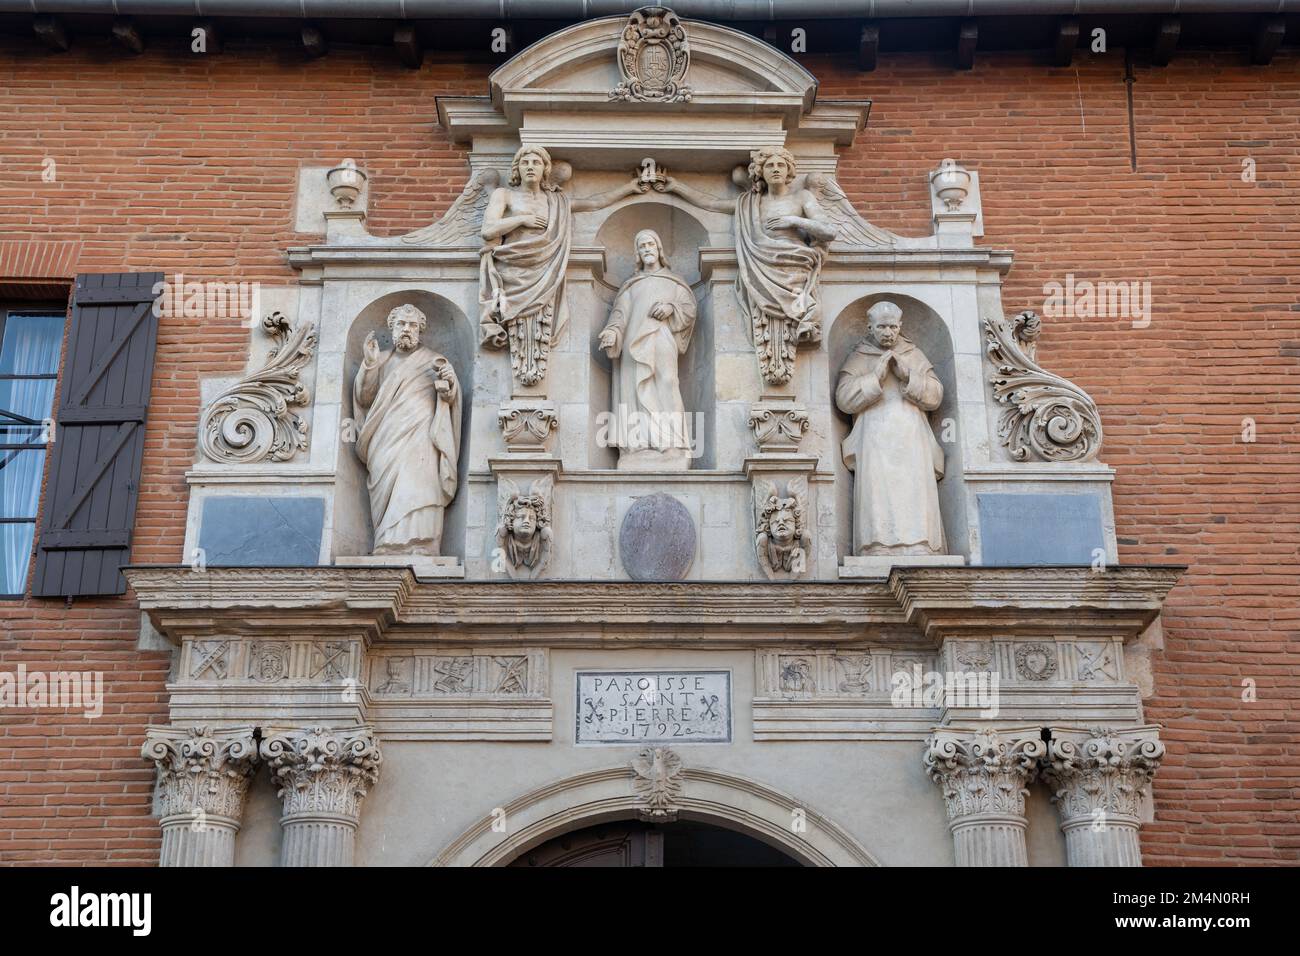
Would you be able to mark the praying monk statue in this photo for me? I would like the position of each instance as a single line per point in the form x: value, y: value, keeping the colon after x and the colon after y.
x: 888, y: 386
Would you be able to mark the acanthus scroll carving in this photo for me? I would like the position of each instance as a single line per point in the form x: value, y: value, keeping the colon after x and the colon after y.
x: 1047, y: 415
x: 984, y: 773
x: 1101, y: 773
x: 201, y: 773
x: 252, y: 420
x: 321, y: 770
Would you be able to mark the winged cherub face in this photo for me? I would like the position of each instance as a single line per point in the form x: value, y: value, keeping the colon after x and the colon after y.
x: 783, y: 523
x: 524, y: 524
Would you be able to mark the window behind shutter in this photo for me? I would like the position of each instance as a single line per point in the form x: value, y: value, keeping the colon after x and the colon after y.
x: 94, y: 477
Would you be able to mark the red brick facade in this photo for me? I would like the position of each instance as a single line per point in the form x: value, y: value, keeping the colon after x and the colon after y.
x: 176, y: 163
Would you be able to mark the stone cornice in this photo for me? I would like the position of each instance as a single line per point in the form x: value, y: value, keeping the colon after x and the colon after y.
x: 950, y: 602
x: 369, y: 601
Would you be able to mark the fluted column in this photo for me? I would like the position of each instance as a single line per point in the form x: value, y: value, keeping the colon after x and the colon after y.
x: 323, y: 775
x: 202, y: 779
x: 1097, y: 779
x: 984, y: 777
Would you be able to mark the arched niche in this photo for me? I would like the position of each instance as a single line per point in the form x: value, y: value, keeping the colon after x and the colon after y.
x: 683, y: 236
x: 448, y: 332
x: 927, y: 330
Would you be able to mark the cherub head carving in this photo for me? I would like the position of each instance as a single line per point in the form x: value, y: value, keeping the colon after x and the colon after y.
x: 781, y: 527
x: 769, y: 165
x: 524, y: 527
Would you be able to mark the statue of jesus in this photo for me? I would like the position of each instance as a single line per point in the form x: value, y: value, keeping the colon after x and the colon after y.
x: 648, y: 328
x: 407, y: 405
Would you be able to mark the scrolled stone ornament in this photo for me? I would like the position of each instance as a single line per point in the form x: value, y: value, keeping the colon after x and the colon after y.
x: 1047, y: 415
x: 252, y: 421
x: 653, y: 56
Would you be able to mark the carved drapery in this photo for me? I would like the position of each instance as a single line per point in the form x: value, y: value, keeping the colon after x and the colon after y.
x: 203, y: 777
x: 1097, y: 780
x: 323, y: 776
x: 984, y: 778
x: 1046, y: 415
x: 253, y: 420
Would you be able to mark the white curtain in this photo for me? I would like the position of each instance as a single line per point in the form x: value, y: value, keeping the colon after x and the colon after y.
x: 31, y: 347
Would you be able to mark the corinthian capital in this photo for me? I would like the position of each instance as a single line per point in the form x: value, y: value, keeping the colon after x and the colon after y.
x: 201, y: 772
x: 983, y: 772
x: 321, y: 770
x: 1101, y: 773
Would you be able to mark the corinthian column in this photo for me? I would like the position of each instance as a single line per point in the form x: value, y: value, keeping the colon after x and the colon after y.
x: 1097, y: 779
x: 323, y: 776
x: 984, y: 778
x: 202, y: 778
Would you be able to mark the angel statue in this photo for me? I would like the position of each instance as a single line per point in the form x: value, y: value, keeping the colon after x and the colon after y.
x: 527, y: 228
x: 783, y: 224
x: 781, y: 525
x: 524, y: 533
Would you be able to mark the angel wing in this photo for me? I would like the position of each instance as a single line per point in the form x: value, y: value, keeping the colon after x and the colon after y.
x: 461, y: 223
x: 854, y: 230
x: 542, y: 486
x: 763, y: 490
x: 506, y: 491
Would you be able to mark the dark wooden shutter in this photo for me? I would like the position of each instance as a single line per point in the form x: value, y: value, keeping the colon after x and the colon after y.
x: 94, y: 477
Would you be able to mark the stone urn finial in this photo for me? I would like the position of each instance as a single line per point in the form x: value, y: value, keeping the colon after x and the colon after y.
x: 345, y: 182
x: 951, y: 184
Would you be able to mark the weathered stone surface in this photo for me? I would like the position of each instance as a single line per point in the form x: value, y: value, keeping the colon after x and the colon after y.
x: 657, y: 539
x: 246, y: 531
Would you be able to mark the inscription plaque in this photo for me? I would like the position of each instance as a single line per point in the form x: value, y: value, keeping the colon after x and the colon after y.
x: 670, y: 707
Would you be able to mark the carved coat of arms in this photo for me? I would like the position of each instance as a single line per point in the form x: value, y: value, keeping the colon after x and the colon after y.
x: 652, y: 58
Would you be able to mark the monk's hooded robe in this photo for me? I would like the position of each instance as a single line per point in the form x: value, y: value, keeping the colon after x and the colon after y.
x: 892, y: 451
x: 409, y: 441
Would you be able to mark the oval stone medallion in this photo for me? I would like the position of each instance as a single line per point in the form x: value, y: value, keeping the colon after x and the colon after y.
x: 657, y: 539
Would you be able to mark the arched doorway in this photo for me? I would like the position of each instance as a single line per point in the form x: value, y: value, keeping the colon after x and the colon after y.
x: 711, y: 800
x: 632, y: 843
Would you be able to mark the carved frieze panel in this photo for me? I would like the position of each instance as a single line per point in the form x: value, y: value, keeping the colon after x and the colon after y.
x: 1039, y: 661
x: 459, y: 673
x: 232, y: 660
x: 838, y: 673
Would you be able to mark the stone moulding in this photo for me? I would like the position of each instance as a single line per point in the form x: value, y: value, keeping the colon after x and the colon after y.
x: 252, y: 420
x: 707, y: 795
x: 1047, y: 416
x: 941, y: 602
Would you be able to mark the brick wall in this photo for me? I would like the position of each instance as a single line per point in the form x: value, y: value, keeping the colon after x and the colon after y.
x: 175, y: 163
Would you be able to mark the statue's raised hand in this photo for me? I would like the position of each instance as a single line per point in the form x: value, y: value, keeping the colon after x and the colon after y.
x: 371, y: 349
